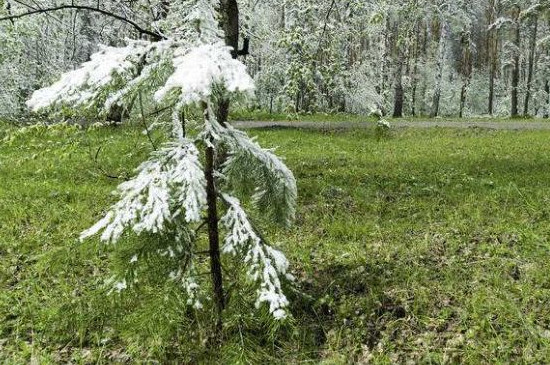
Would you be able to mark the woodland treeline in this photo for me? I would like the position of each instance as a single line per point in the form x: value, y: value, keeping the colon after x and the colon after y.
x: 398, y: 58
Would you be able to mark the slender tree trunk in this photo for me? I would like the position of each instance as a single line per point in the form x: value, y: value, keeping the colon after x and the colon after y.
x: 398, y: 72
x: 415, y: 72
x: 229, y: 22
x: 398, y: 92
x: 440, y: 64
x: 492, y: 56
x: 465, y: 70
x: 214, y: 240
x: 515, y: 72
x: 385, y: 63
x: 462, y: 98
x: 491, y: 107
x: 531, y: 65
x: 547, y: 90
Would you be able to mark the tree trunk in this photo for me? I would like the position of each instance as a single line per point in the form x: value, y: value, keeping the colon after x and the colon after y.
x: 385, y: 62
x: 214, y: 241
x: 491, y: 108
x: 439, y: 75
x: 515, y: 72
x: 465, y: 69
x: 398, y: 99
x: 547, y: 90
x: 531, y: 64
x: 492, y: 56
x: 229, y: 22
x: 415, y: 72
x: 462, y: 98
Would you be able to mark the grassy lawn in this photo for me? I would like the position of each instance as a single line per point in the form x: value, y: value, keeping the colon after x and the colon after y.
x: 259, y: 115
x: 430, y: 246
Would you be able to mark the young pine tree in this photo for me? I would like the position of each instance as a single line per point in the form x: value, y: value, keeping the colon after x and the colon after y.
x: 179, y: 189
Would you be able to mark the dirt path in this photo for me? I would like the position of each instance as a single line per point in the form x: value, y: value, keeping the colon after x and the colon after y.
x: 503, y: 125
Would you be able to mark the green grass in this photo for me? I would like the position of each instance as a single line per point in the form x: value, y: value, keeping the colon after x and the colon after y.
x: 261, y: 115
x: 430, y: 246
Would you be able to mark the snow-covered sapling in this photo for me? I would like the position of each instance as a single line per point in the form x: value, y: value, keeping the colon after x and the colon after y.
x: 181, y: 186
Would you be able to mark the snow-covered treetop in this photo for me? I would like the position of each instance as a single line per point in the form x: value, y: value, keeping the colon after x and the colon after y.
x: 192, y: 60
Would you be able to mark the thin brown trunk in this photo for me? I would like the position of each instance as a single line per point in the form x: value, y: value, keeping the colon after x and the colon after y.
x: 398, y: 92
x: 462, y: 99
x: 547, y: 90
x: 439, y: 77
x: 415, y: 72
x: 531, y: 65
x: 214, y: 240
x: 229, y: 22
x: 465, y: 70
x: 492, y: 56
x: 515, y: 72
x: 398, y: 73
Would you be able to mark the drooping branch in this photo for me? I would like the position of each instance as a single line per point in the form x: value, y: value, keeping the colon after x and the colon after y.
x: 136, y: 26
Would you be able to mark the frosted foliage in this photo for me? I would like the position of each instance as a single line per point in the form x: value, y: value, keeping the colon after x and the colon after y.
x: 198, y: 71
x: 193, y: 20
x: 251, y: 168
x: 84, y: 84
x: 149, y: 62
x: 265, y: 264
x: 168, y: 185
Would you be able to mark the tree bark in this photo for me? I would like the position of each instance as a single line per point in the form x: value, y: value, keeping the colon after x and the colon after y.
x: 415, y: 71
x: 466, y: 71
x: 492, y: 56
x: 214, y: 240
x: 439, y: 76
x: 398, y: 73
x: 229, y: 22
x: 398, y: 93
x: 531, y: 64
x: 547, y: 90
x: 515, y: 72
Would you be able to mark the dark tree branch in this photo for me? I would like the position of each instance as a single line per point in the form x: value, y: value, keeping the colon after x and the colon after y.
x: 140, y: 29
x: 327, y: 17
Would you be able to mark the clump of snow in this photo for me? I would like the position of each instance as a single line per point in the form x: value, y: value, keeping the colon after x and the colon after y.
x: 197, y: 72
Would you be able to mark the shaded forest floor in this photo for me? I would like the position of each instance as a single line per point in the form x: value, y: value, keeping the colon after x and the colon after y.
x: 417, y: 245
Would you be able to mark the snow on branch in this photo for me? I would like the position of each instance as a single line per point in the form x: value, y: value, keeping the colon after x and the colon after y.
x: 168, y: 185
x: 253, y: 169
x: 266, y: 265
x: 85, y: 84
x: 197, y: 72
x: 139, y: 28
x: 501, y: 22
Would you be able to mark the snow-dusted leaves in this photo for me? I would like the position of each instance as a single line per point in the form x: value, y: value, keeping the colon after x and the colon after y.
x: 171, y: 183
x: 265, y: 265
